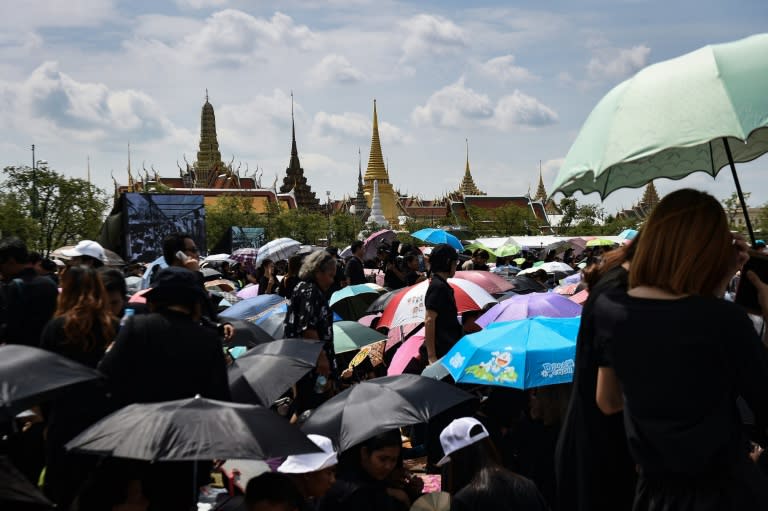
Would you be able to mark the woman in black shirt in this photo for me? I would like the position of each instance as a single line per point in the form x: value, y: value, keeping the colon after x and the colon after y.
x: 675, y: 357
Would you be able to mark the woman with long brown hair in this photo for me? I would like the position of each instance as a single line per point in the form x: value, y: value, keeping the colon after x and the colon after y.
x: 81, y: 329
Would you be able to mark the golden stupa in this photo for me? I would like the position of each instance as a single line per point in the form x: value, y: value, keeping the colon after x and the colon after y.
x: 378, y: 172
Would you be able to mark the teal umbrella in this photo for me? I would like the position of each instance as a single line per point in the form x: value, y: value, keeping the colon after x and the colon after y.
x: 698, y: 112
x: 351, y: 302
x: 351, y: 336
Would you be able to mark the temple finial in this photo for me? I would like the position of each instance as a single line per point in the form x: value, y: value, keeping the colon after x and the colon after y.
x: 206, y: 94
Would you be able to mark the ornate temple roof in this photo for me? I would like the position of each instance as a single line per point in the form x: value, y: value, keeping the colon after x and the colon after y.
x: 361, y: 205
x: 650, y: 197
x: 208, y: 155
x: 294, y: 179
x: 541, y: 192
x: 468, y: 186
x: 376, y: 169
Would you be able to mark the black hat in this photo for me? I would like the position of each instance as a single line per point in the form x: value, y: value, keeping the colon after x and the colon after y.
x: 441, y: 256
x: 175, y: 281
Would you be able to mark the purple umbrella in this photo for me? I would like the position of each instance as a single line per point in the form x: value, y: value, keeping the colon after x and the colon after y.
x: 373, y: 241
x: 249, y: 291
x: 550, y: 305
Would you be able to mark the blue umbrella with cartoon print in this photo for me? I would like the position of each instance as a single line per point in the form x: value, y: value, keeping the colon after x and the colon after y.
x: 523, y: 354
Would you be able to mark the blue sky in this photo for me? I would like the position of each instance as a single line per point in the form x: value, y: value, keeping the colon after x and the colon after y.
x: 85, y: 77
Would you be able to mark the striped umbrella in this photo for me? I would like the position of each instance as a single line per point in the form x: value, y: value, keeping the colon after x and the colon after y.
x: 245, y: 256
x: 408, y: 305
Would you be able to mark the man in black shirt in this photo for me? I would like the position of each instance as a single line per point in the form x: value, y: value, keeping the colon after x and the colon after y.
x: 441, y: 324
x: 354, y: 269
x: 27, y: 300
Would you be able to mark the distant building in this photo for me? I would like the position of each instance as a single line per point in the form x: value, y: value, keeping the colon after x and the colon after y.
x: 294, y: 180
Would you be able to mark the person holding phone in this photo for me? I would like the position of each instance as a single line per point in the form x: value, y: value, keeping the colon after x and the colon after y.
x: 674, y: 356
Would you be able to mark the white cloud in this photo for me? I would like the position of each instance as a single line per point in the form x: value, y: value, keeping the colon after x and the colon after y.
x: 453, y: 105
x: 617, y: 63
x: 503, y: 69
x: 200, y: 4
x: 55, y: 13
x: 335, y: 69
x: 518, y: 109
x: 351, y: 124
x: 269, y: 116
x: 51, y: 103
x: 165, y: 28
x: 430, y: 35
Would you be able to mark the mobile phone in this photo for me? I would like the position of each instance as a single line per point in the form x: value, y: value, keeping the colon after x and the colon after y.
x: 182, y: 256
x: 746, y: 294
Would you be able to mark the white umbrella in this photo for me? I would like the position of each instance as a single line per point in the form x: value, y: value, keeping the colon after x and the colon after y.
x: 217, y: 257
x: 277, y: 250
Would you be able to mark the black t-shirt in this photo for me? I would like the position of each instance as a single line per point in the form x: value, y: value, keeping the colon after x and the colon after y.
x: 682, y: 363
x: 354, y: 271
x: 29, y: 301
x: 440, y: 298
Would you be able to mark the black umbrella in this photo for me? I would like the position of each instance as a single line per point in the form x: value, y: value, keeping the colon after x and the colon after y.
x: 265, y: 372
x: 192, y: 429
x: 381, y: 302
x: 382, y: 404
x: 274, y: 325
x: 29, y: 375
x: 17, y: 492
x: 247, y: 334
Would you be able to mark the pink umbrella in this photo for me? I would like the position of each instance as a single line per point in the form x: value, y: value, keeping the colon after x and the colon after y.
x: 368, y: 319
x: 378, y: 275
x: 139, y: 297
x: 566, y: 289
x: 405, y: 353
x: 491, y: 282
x: 550, y: 305
x: 580, y: 297
x: 372, y: 242
x: 249, y: 291
x: 408, y: 305
x: 397, y: 334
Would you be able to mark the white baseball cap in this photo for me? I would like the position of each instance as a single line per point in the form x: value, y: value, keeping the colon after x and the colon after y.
x: 86, y: 248
x: 458, y: 434
x: 311, y: 462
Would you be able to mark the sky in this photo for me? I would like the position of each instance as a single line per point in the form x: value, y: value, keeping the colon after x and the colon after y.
x: 84, y: 78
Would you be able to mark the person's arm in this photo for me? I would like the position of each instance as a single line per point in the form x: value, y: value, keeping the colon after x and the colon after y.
x: 429, y: 335
x: 609, y: 396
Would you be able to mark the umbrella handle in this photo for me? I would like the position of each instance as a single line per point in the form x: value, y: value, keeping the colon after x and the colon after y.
x: 740, y: 193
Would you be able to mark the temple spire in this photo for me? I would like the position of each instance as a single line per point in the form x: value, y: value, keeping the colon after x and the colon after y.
x: 208, y: 162
x: 468, y: 186
x: 541, y: 192
x: 294, y: 180
x: 376, y: 169
x: 130, y: 176
x: 360, y: 203
x: 650, y: 197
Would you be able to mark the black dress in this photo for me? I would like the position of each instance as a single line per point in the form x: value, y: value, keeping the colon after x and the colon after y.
x: 682, y: 364
x: 355, y: 490
x: 593, y: 468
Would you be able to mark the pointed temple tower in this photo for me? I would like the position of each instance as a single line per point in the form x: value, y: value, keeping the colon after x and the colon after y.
x: 541, y: 192
x: 294, y: 179
x: 361, y: 205
x: 468, y: 186
x: 650, y: 198
x: 377, y: 172
x: 208, y: 156
x: 377, y: 215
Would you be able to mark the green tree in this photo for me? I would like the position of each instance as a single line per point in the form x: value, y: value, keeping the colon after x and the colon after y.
x: 761, y: 222
x: 345, y: 228
x: 64, y: 209
x: 230, y: 211
x: 14, y: 221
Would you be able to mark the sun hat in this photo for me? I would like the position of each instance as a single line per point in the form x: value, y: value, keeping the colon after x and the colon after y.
x: 311, y: 462
x: 86, y: 248
x: 176, y: 281
x: 458, y: 434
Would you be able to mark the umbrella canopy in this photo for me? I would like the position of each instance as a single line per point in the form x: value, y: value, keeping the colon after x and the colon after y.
x: 267, y: 371
x: 379, y: 405
x: 17, y: 492
x: 697, y: 112
x: 408, y: 305
x: 522, y: 354
x: 352, y: 302
x: 556, y: 266
x: 628, y: 234
x: 580, y: 297
x: 221, y: 284
x: 351, y: 336
x: 251, y: 306
x: 249, y: 291
x: 437, y: 236
x: 274, y: 322
x: 368, y: 319
x: 218, y: 257
x: 381, y: 302
x: 245, y: 256
x: 491, y: 282
x: 566, y: 289
x: 277, y: 250
x: 408, y: 350
x: 507, y: 250
x: 372, y: 242
x: 436, y: 371
x: 29, y: 375
x: 600, y: 242
x: 192, y: 429
x: 550, y: 305
x: 247, y: 334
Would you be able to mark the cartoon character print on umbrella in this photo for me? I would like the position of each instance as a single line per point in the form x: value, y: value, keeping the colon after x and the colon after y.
x: 497, y: 369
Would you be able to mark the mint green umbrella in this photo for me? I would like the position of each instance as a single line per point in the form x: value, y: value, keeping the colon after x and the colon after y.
x: 507, y: 250
x: 698, y: 112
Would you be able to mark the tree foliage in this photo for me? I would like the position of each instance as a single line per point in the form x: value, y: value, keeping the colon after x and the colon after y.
x: 48, y: 209
x: 507, y: 220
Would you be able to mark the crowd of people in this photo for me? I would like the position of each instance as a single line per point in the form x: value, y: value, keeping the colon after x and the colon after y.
x: 668, y: 408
